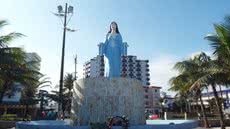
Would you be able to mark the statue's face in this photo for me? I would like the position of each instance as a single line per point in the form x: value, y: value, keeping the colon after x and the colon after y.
x: 113, y: 26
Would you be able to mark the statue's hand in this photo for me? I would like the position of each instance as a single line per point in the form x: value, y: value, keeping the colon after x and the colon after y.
x: 101, y: 48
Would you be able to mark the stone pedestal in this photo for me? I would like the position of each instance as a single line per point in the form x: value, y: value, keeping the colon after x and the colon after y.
x: 96, y: 99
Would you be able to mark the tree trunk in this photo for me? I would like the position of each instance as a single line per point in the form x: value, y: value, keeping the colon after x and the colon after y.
x: 3, y: 90
x: 69, y: 104
x: 219, y: 106
x: 2, y: 94
x: 206, y: 124
x: 26, y: 112
x: 197, y: 108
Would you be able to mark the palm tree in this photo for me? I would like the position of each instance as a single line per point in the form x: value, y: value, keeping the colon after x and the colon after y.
x: 220, y: 43
x: 12, y: 59
x: 29, y: 92
x: 188, y: 81
x: 68, y: 84
x: 67, y: 93
x: 13, y: 64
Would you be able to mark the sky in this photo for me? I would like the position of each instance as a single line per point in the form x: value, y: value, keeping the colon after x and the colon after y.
x: 162, y: 31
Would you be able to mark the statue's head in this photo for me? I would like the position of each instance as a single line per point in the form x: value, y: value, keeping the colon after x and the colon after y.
x: 113, y: 26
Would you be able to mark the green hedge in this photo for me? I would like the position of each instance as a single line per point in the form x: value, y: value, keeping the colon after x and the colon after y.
x: 13, y: 117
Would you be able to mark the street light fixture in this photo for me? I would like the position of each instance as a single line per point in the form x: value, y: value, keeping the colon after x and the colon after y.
x: 63, y: 13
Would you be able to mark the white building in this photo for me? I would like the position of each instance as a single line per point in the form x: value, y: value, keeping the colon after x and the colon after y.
x: 131, y: 67
x: 94, y: 68
x: 152, y: 99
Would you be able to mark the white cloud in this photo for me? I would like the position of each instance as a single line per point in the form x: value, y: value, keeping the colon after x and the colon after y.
x: 161, y: 70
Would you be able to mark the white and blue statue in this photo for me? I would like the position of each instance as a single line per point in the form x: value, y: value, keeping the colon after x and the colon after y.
x: 113, y: 48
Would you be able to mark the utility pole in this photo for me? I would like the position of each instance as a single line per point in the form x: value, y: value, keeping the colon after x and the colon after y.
x: 62, y: 63
x: 64, y: 14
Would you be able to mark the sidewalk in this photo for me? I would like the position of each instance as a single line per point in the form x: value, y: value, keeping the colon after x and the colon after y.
x: 212, y: 128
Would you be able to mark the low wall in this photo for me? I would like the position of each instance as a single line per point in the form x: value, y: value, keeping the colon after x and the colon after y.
x: 7, y: 124
x: 214, y: 123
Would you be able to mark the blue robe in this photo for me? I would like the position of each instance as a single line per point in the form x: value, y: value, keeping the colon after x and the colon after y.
x: 113, y: 49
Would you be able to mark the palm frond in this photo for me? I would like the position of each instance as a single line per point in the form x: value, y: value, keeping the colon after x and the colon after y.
x: 6, y: 39
x: 3, y: 23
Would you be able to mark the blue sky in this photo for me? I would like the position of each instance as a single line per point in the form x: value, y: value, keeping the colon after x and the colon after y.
x: 163, y: 31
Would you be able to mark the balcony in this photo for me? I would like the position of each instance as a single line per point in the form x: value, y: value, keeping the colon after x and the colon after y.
x: 131, y: 70
x: 138, y: 65
x: 130, y: 61
x: 139, y: 79
x: 124, y: 65
x: 138, y: 74
x: 138, y: 69
x: 124, y: 60
x: 124, y: 69
x: 131, y: 75
x: 130, y: 65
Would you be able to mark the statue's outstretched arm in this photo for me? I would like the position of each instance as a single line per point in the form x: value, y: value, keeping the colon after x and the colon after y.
x: 102, y: 46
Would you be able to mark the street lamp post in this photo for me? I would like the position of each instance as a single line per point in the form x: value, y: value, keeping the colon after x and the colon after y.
x: 75, y: 64
x: 64, y: 14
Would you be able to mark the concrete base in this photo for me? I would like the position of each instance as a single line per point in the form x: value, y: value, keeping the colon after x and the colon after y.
x: 96, y: 99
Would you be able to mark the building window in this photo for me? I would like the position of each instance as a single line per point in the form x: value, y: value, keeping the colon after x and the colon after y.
x: 146, y: 90
x: 146, y: 103
x: 155, y: 90
x: 146, y: 96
